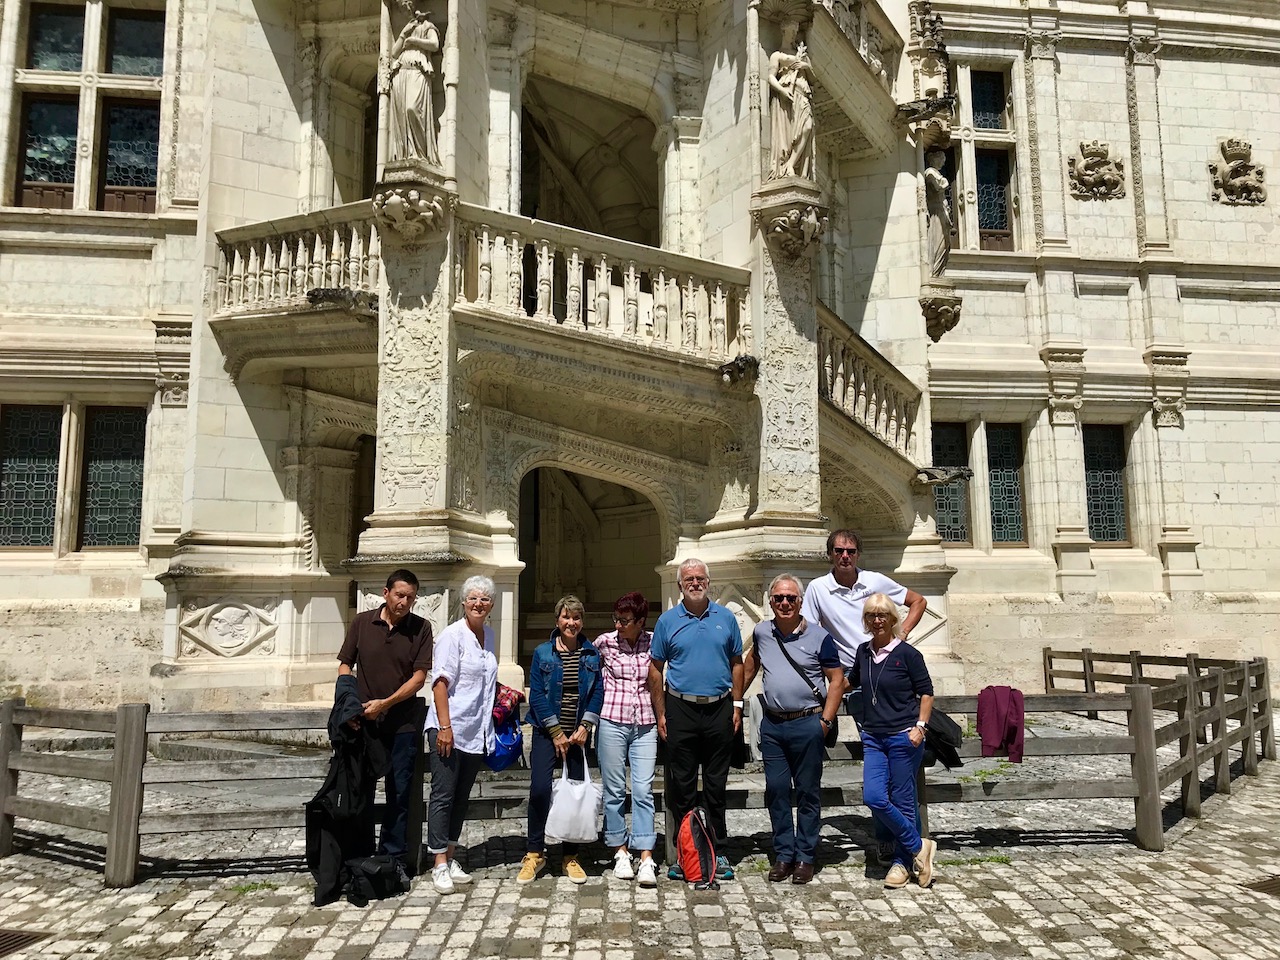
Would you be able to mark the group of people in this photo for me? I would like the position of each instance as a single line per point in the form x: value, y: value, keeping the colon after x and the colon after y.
x: 682, y: 683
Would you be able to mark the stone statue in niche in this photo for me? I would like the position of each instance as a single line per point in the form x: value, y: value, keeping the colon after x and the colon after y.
x: 1236, y: 180
x: 1095, y: 174
x: 413, y: 120
x: 935, y: 193
x: 791, y: 134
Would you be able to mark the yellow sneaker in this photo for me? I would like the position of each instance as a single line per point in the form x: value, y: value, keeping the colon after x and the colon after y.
x: 573, y: 870
x: 532, y: 865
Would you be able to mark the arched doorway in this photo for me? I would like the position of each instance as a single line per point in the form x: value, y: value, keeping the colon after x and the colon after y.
x: 585, y: 536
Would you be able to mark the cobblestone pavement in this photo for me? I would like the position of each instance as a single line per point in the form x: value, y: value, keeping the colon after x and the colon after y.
x: 1049, y: 879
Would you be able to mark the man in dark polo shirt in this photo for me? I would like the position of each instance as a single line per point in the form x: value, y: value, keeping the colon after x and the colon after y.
x: 390, y: 651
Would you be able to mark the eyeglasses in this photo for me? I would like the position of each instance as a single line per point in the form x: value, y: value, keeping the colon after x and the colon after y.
x: 625, y: 621
x: 877, y: 616
x: 784, y: 598
x: 479, y: 601
x: 845, y: 551
x: 696, y: 581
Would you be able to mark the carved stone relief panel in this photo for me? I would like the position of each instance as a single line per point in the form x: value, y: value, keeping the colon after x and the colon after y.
x: 1095, y: 173
x: 431, y: 604
x: 222, y: 627
x: 1237, y: 180
x: 787, y: 389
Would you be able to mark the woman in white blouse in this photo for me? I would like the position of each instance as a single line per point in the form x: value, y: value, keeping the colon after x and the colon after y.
x: 464, y: 681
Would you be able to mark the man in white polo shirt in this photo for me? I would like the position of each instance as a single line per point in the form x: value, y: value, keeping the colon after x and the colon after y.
x: 836, y: 600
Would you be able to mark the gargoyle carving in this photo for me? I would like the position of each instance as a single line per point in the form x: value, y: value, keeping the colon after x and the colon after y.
x: 935, y: 476
x: 798, y: 231
x: 409, y: 212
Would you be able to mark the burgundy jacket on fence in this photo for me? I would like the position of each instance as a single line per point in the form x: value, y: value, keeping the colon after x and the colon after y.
x: 1000, y: 716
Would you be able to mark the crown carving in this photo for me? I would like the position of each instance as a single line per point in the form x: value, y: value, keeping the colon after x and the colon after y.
x: 1235, y: 148
x: 1095, y: 149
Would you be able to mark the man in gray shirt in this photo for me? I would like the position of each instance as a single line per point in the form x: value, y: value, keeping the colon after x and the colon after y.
x: 803, y: 684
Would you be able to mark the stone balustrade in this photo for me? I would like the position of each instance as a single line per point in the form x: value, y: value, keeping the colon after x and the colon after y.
x: 286, y: 262
x: 517, y: 267
x: 869, y: 389
x: 872, y: 34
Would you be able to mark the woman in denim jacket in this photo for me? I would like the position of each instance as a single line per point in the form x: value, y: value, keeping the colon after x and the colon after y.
x: 565, y: 697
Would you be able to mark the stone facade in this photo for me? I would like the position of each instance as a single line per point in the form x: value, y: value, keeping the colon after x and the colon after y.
x: 610, y: 325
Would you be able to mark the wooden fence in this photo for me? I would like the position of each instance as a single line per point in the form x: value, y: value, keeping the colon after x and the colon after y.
x: 1208, y: 712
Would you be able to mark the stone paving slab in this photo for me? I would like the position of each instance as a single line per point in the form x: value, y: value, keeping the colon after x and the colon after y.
x: 1051, y: 879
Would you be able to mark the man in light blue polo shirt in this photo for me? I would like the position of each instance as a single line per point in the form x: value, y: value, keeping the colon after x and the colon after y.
x: 700, y: 709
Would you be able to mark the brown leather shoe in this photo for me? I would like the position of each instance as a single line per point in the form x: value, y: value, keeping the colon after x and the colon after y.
x: 803, y: 873
x: 780, y: 871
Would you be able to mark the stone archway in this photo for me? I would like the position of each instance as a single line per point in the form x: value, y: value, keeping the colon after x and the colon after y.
x: 587, y: 536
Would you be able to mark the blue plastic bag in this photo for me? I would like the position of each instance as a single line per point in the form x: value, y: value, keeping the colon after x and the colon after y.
x: 509, y: 747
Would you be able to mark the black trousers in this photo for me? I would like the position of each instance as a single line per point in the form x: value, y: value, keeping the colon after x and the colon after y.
x: 699, y: 737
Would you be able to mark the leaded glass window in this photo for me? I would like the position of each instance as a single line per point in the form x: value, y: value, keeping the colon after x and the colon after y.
x: 1104, y: 465
x: 49, y: 141
x: 1004, y: 480
x: 133, y: 144
x: 993, y: 199
x: 950, y: 500
x: 115, y: 439
x: 135, y: 43
x: 29, y: 453
x: 55, y: 38
x: 989, y: 99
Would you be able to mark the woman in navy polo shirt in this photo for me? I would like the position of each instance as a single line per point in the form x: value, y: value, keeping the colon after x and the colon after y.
x: 897, y: 698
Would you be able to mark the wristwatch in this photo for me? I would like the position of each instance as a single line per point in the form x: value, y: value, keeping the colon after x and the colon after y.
x: 738, y: 703
x: 922, y: 724
x: 825, y: 722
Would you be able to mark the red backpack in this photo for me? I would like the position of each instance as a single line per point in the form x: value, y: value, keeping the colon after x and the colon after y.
x: 696, y: 851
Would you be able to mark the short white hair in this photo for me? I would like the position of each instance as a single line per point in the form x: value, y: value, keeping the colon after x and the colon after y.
x: 478, y: 584
x: 691, y: 563
x: 786, y: 578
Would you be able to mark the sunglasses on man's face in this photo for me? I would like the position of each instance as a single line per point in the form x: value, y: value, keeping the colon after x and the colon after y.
x: 785, y: 598
x: 845, y: 551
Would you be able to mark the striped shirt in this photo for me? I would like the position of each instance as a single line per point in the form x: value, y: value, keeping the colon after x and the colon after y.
x: 569, y: 698
x: 625, y: 669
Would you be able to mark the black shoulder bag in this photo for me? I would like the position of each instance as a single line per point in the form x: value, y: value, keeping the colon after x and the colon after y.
x: 829, y: 739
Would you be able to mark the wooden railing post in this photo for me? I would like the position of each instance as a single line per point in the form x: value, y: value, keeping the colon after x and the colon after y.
x: 1047, y: 654
x: 1268, y: 725
x: 1222, y: 759
x: 125, y: 812
x: 1135, y: 666
x: 1188, y: 707
x: 1148, y: 822
x: 1248, y: 745
x: 1090, y: 685
x: 1193, y: 671
x: 10, y: 744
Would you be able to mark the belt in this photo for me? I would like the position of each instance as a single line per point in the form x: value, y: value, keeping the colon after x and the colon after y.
x: 692, y: 699
x: 778, y: 716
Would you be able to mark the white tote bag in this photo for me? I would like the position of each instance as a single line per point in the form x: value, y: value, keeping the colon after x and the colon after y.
x: 576, y: 806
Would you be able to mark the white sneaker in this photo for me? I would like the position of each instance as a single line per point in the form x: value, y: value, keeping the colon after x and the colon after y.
x: 647, y: 875
x: 457, y: 874
x: 440, y: 878
x: 622, y: 868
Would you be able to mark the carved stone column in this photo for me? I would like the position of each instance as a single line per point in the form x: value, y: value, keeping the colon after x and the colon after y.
x: 414, y: 208
x: 1141, y: 81
x: 791, y: 218
x: 677, y: 148
x: 1071, y: 541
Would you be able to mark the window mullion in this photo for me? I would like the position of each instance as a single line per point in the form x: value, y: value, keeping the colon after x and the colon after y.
x: 10, y: 42
x: 979, y: 489
x: 66, y: 519
x: 87, y: 140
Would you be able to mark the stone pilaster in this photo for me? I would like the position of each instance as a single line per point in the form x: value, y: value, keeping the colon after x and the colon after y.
x: 1044, y: 132
x: 1177, y: 542
x: 1071, y: 540
x: 1141, y: 82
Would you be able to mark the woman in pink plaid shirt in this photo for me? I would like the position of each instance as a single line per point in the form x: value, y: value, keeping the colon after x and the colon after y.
x: 628, y: 734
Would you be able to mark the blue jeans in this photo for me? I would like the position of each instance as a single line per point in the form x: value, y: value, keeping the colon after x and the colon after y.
x: 792, y: 751
x: 618, y: 744
x: 889, y: 765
